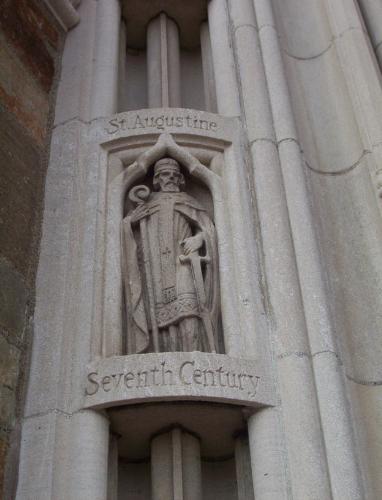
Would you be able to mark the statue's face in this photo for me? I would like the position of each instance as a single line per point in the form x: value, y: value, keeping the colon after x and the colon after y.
x: 169, y: 180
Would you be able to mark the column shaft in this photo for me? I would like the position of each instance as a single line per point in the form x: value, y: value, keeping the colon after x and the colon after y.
x: 269, y: 473
x: 105, y: 74
x: 122, y: 104
x: 372, y: 14
x: 163, y: 63
x: 307, y: 465
x: 208, y: 69
x: 112, y: 473
x: 64, y: 457
x: 224, y: 67
x: 334, y: 409
x: 243, y: 469
x: 176, y: 467
x: 88, y: 458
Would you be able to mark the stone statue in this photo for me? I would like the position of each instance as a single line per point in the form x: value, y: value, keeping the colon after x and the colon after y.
x: 169, y: 268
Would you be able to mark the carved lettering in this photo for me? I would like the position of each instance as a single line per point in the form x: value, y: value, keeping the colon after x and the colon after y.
x: 211, y: 381
x: 138, y: 123
x: 115, y: 125
x: 181, y: 372
x: 161, y: 122
x: 154, y: 371
x: 106, y: 381
x: 198, y: 376
x: 254, y: 382
x: 166, y: 372
x: 129, y: 377
x: 117, y: 379
x: 220, y: 371
x: 93, y: 381
x: 187, y: 374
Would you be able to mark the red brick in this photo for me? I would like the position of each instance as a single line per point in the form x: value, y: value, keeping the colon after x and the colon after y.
x: 28, y: 30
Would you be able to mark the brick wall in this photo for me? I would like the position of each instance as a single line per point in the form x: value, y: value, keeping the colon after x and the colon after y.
x: 30, y: 45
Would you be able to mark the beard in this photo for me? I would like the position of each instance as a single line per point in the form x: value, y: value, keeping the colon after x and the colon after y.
x: 170, y: 187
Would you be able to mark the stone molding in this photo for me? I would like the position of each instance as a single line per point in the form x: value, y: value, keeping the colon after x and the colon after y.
x: 64, y: 11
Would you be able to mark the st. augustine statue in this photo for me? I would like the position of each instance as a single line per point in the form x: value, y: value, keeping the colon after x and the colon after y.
x: 169, y: 268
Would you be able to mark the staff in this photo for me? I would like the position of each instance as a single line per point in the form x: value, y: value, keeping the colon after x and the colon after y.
x: 140, y: 194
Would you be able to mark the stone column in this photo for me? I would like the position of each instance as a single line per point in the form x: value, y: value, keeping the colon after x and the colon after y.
x: 247, y: 306
x: 74, y: 91
x: 228, y: 104
x: 175, y: 466
x: 87, y: 460
x: 64, y: 449
x: 106, y: 56
x: 243, y: 469
x: 122, y: 69
x: 269, y: 473
x: 64, y: 11
x: 64, y: 456
x: 163, y: 63
x: 372, y: 14
x: 224, y: 67
x: 344, y: 473
x: 112, y: 473
x: 307, y: 464
x: 208, y: 69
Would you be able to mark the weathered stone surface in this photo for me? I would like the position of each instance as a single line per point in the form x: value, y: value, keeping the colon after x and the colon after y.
x: 9, y: 364
x: 7, y: 408
x: 3, y: 454
x: 21, y: 191
x: 33, y: 35
x: 21, y: 96
x: 13, y: 301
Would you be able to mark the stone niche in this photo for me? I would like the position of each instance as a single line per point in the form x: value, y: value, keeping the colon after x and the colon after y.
x: 137, y: 270
x: 164, y: 400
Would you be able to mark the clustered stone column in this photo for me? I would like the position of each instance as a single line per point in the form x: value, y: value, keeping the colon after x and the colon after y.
x: 208, y: 68
x: 372, y: 12
x: 105, y: 77
x: 176, y: 472
x: 163, y: 63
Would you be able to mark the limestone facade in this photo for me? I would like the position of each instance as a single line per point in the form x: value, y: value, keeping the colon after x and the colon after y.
x: 272, y: 109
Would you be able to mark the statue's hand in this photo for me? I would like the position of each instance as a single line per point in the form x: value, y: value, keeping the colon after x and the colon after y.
x: 139, y: 213
x: 192, y: 244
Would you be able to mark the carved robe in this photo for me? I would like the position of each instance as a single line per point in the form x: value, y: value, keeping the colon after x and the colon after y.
x: 170, y: 218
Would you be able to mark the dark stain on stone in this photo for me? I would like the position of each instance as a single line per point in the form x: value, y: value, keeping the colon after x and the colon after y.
x: 20, y: 191
x: 29, y: 31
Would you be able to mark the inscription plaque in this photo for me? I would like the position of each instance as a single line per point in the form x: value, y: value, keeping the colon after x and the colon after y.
x: 176, y: 376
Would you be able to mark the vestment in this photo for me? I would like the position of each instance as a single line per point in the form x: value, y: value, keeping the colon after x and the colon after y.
x: 170, y: 218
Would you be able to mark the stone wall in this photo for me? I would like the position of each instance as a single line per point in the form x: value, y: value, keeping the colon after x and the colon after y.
x: 30, y: 41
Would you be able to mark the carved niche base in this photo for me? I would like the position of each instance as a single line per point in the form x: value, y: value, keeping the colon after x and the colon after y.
x: 138, y: 378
